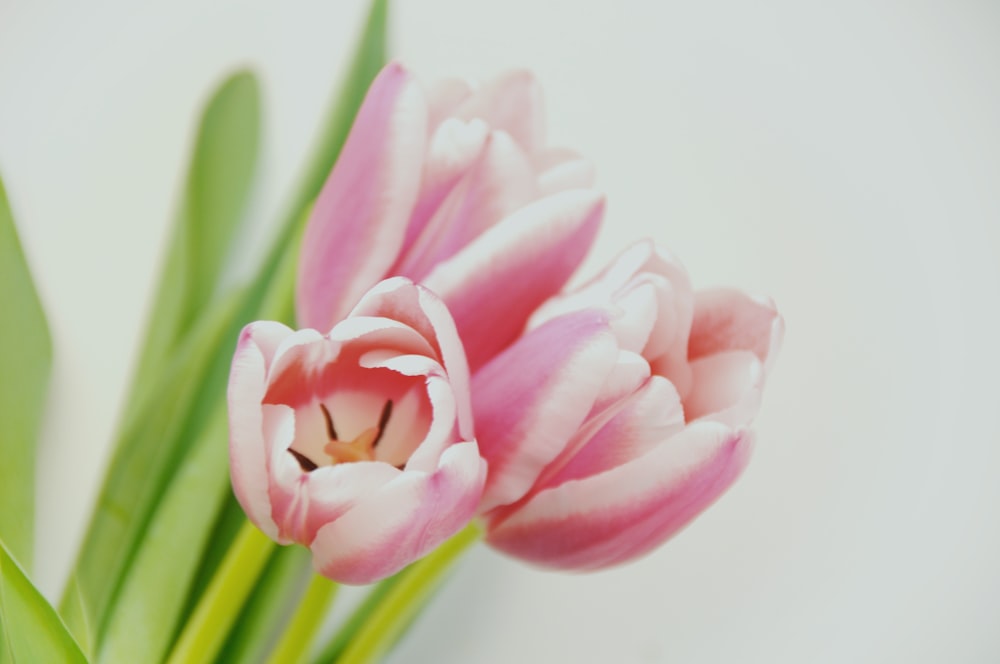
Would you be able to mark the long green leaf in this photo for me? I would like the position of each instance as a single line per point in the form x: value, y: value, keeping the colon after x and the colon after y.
x: 144, y: 618
x: 215, y: 197
x: 151, y: 457
x: 25, y: 360
x: 269, y: 607
x: 149, y: 452
x: 30, y: 630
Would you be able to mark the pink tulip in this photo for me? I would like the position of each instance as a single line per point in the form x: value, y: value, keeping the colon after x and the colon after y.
x: 621, y: 414
x: 357, y: 443
x: 452, y: 188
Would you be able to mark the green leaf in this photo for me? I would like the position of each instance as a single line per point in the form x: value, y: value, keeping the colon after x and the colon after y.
x: 173, y: 415
x: 30, y: 629
x: 145, y: 616
x: 177, y: 349
x: 267, y: 611
x: 378, y: 624
x: 214, y: 199
x: 25, y: 360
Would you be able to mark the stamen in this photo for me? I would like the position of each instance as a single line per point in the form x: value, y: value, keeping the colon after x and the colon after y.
x: 330, y: 431
x: 382, y: 421
x: 305, y: 462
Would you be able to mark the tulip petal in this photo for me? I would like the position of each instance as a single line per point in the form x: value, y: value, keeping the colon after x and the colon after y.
x: 624, y: 432
x: 358, y: 223
x: 247, y: 446
x: 530, y: 400
x: 500, y: 182
x: 444, y: 96
x: 512, y: 103
x: 401, y: 521
x: 423, y: 311
x: 453, y: 149
x: 725, y: 387
x: 303, y: 502
x: 727, y: 319
x: 560, y: 169
x: 493, y: 285
x: 623, y: 513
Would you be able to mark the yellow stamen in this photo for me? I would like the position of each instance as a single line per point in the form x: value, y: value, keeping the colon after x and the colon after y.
x: 361, y: 448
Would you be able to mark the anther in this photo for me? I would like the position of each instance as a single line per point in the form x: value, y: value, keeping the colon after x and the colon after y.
x: 330, y: 431
x: 305, y: 462
x: 382, y: 421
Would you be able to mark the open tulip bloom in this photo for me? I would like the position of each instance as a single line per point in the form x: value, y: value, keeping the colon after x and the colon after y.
x: 441, y: 383
x: 607, y: 417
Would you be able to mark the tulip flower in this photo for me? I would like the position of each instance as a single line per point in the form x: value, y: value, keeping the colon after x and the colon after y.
x: 453, y: 188
x: 357, y: 443
x: 621, y: 414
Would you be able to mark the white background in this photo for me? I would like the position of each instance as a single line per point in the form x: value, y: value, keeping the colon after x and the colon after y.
x: 842, y: 157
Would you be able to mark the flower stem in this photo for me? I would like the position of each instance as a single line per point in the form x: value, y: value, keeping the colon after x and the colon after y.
x: 404, y: 599
x: 218, y: 608
x: 298, y: 635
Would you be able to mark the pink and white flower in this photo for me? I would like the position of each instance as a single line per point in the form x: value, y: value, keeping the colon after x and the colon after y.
x: 621, y: 414
x: 357, y: 443
x: 454, y: 188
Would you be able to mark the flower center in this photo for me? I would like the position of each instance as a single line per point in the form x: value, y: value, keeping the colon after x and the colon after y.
x: 360, y: 448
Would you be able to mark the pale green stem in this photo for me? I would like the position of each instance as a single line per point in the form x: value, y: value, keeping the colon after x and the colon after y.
x: 298, y: 635
x: 220, y: 605
x: 407, y: 596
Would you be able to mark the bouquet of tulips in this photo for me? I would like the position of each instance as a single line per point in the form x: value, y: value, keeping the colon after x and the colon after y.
x: 415, y: 367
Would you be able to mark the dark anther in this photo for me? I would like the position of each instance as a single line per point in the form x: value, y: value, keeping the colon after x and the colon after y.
x: 305, y: 462
x: 330, y: 431
x: 382, y: 421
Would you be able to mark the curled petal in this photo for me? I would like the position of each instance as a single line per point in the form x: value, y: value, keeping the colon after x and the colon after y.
x: 618, y: 515
x: 731, y: 320
x: 726, y: 387
x: 413, y: 305
x: 454, y: 148
x: 444, y: 96
x: 626, y: 431
x: 493, y: 284
x: 512, y: 103
x: 499, y: 182
x: 357, y: 226
x: 401, y: 521
x: 531, y: 399
x: 247, y: 445
x: 562, y: 169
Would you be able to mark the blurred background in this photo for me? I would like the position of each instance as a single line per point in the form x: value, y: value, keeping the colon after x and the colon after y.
x: 842, y: 157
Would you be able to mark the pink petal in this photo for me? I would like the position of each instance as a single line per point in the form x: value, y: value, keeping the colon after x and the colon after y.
x: 304, y: 502
x: 730, y: 320
x: 560, y: 169
x: 512, y: 103
x: 624, y: 432
x: 725, y: 387
x: 401, y: 521
x: 423, y: 311
x: 493, y: 285
x: 358, y: 223
x: 444, y: 96
x: 623, y: 513
x: 499, y: 182
x: 454, y: 148
x: 629, y: 374
x: 247, y: 443
x: 530, y: 400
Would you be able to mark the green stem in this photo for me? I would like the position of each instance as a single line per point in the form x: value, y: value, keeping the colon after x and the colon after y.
x: 298, y: 635
x: 219, y: 607
x: 398, y: 608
